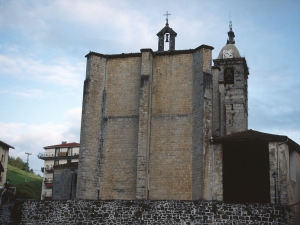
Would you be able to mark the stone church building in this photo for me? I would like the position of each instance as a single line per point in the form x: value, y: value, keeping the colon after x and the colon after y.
x: 173, y: 125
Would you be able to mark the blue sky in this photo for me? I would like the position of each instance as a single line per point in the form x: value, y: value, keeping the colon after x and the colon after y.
x: 43, y: 44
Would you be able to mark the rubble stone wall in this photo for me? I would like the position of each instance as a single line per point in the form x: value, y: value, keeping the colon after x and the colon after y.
x: 154, y: 212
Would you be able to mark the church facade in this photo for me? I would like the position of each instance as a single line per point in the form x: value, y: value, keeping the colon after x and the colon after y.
x: 152, y: 121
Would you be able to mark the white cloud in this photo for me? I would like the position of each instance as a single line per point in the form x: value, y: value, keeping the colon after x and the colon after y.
x: 32, y: 93
x: 33, y: 137
x: 59, y: 73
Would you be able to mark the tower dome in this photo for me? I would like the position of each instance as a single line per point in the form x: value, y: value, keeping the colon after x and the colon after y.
x: 229, y: 50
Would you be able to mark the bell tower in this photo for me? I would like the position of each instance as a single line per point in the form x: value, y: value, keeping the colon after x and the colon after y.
x: 232, y: 72
x: 166, y: 35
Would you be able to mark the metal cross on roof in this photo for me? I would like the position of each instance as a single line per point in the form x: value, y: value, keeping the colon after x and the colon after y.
x: 167, y: 14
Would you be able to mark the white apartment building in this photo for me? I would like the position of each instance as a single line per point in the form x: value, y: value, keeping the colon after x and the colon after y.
x: 4, y: 149
x: 55, y: 155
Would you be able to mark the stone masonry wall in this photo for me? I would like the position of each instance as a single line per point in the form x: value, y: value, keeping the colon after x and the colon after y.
x: 146, y: 126
x: 233, y: 97
x: 170, y: 146
x: 142, y: 182
x: 120, y: 131
x: 154, y: 212
x: 93, y: 99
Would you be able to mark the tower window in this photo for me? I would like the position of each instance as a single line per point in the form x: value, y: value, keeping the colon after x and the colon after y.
x: 229, y: 76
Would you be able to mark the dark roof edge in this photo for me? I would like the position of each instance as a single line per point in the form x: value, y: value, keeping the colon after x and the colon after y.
x: 147, y: 50
x: 204, y: 46
x: 231, y: 59
x: 293, y: 145
x: 6, y: 145
x: 275, y: 139
x: 123, y: 55
x: 263, y: 137
x: 71, y: 144
x: 138, y: 54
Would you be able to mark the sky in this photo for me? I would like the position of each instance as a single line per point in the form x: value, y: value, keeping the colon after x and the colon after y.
x: 43, y: 44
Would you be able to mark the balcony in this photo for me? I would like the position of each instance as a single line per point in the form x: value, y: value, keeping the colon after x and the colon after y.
x: 48, y: 182
x: 49, y: 169
x: 60, y: 155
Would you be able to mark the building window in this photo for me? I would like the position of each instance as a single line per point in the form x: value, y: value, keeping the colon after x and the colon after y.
x: 229, y: 76
x: 56, y: 162
x: 57, y: 150
x: 70, y: 151
x: 293, y: 166
x: 2, y: 158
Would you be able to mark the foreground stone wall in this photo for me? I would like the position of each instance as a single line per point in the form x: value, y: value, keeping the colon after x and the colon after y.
x: 154, y: 212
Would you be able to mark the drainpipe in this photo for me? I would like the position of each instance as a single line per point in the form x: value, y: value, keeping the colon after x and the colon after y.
x: 278, y: 170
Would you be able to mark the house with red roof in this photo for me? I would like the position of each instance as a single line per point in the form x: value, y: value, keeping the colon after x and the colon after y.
x: 64, y: 153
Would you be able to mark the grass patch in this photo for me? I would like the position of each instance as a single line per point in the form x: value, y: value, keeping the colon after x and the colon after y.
x: 31, y: 189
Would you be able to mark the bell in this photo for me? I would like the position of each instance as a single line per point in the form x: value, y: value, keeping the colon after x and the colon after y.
x: 167, y: 36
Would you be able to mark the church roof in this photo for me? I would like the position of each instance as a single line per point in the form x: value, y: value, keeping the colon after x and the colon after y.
x: 253, y: 135
x: 166, y: 29
x: 64, y: 145
x: 235, y: 51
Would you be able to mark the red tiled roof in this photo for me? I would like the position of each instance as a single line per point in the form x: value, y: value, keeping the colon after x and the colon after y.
x: 72, y: 144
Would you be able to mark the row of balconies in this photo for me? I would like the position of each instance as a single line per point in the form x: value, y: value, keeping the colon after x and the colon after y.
x: 43, y: 155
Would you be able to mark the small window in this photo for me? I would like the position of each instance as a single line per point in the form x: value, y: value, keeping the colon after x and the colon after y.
x: 70, y: 151
x: 293, y: 166
x: 229, y: 76
x: 57, y: 150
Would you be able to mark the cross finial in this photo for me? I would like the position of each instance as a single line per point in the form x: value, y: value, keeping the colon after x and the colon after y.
x: 167, y: 14
x: 230, y: 25
x: 167, y: 21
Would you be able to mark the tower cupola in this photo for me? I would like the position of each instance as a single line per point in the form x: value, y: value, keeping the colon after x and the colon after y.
x: 167, y: 34
x: 229, y: 50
